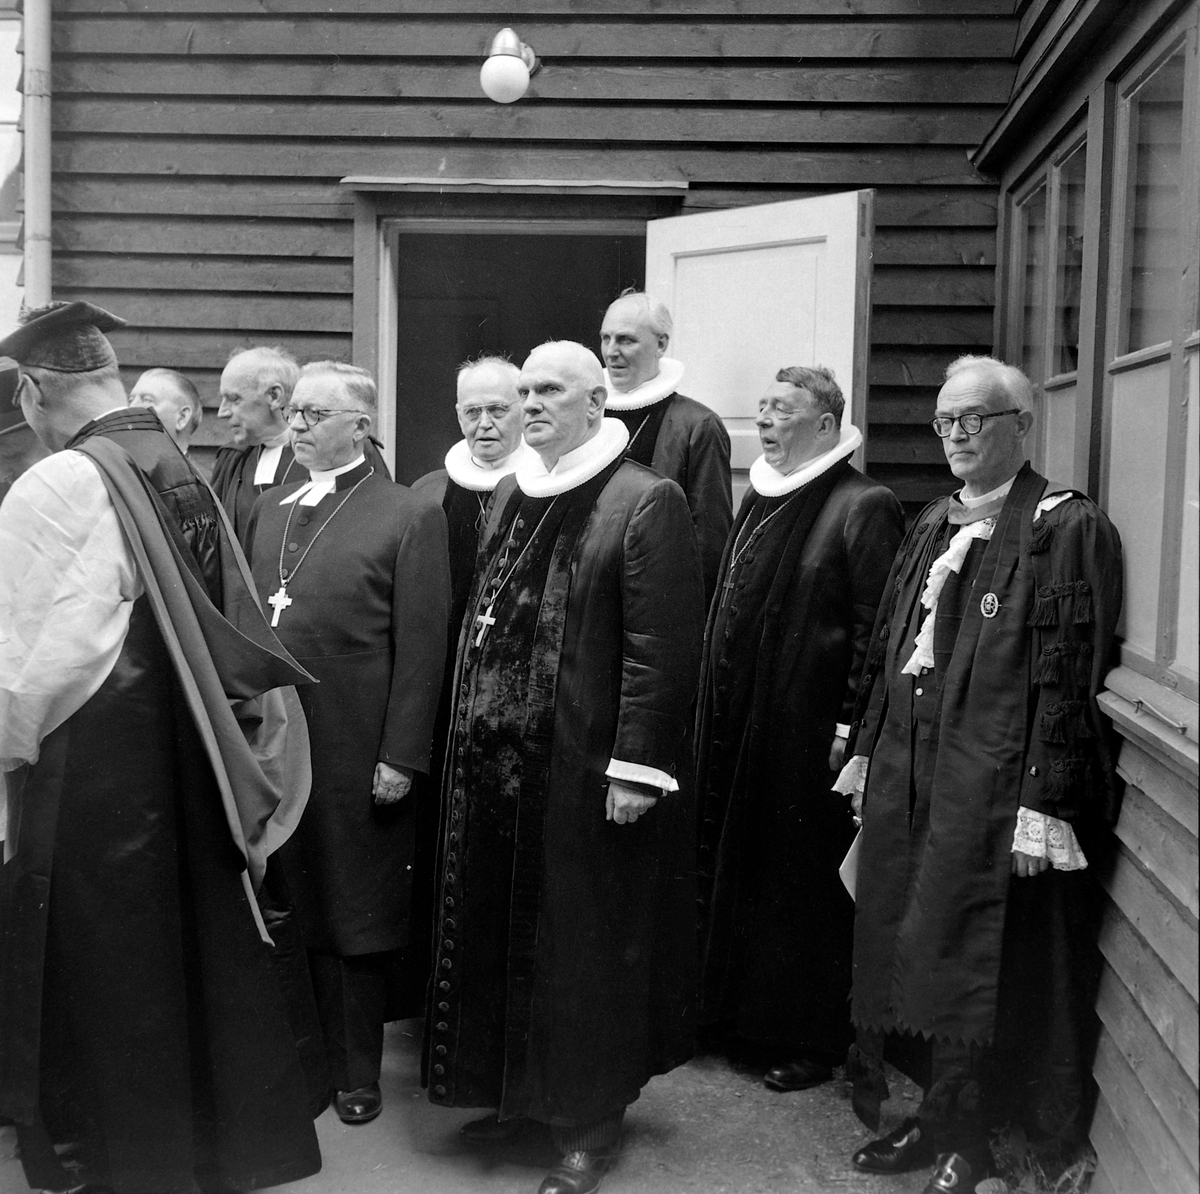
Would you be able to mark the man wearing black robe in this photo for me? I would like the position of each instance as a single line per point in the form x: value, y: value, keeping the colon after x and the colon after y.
x: 987, y: 784
x: 800, y: 585
x: 142, y: 1015
x: 354, y: 568
x: 674, y: 435
x: 564, y: 967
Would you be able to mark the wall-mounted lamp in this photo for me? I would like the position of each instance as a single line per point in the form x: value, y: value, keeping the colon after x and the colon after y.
x: 505, y: 73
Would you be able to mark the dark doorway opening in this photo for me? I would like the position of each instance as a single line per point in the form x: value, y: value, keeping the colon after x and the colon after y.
x: 460, y: 295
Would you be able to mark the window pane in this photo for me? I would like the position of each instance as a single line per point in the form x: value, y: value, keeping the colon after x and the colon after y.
x: 1187, y: 648
x: 1154, y: 215
x: 1032, y: 215
x: 1071, y: 176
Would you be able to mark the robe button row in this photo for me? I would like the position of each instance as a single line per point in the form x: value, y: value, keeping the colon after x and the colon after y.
x: 442, y: 1026
x: 439, y: 1070
x: 446, y: 964
x: 440, y: 1050
x: 284, y: 573
x: 293, y: 546
x: 303, y: 520
x: 442, y: 1007
x: 449, y: 901
x: 439, y: 1090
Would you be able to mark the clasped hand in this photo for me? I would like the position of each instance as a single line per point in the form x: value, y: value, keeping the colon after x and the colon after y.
x: 625, y: 804
x: 391, y: 784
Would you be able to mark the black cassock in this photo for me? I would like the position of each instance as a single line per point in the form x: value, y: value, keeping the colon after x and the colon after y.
x: 787, y: 637
x: 564, y: 969
x: 368, y: 619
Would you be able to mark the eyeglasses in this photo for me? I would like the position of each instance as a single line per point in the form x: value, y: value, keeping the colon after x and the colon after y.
x: 312, y: 415
x: 494, y: 411
x: 972, y: 424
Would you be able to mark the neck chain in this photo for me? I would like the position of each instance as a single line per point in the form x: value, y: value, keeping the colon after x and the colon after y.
x: 736, y: 555
x: 280, y: 600
x: 485, y: 621
x: 645, y: 420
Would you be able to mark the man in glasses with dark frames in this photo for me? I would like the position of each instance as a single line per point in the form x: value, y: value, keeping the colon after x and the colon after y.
x: 980, y: 761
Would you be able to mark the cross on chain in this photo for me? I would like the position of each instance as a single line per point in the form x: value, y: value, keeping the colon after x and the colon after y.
x: 485, y: 622
x: 279, y: 602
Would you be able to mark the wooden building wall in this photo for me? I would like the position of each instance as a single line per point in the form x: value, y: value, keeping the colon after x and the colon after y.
x: 199, y: 143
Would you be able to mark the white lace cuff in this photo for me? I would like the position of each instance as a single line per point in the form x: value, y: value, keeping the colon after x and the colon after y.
x: 638, y: 773
x: 852, y: 778
x: 1043, y: 836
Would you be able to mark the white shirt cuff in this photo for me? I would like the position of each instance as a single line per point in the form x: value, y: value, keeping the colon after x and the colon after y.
x: 852, y: 778
x: 636, y: 773
x: 841, y: 730
x: 1042, y: 836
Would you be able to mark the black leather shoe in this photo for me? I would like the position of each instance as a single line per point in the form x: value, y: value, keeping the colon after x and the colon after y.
x: 577, y: 1173
x: 797, y: 1075
x: 491, y: 1131
x: 954, y: 1175
x: 908, y: 1147
x: 358, y: 1106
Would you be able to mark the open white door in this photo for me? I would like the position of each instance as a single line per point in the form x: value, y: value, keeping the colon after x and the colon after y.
x: 755, y: 289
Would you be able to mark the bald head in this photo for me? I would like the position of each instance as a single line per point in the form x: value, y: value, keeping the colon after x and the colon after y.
x: 562, y: 388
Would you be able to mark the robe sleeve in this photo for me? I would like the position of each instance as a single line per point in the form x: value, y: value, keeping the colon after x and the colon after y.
x: 66, y: 592
x: 662, y: 606
x: 420, y: 616
x: 709, y: 495
x: 873, y: 533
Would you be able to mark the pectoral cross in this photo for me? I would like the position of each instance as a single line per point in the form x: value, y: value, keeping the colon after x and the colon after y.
x: 279, y: 602
x: 727, y: 587
x: 485, y: 622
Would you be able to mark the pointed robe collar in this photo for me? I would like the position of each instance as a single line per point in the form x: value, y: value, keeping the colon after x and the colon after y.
x: 576, y: 467
x: 663, y: 384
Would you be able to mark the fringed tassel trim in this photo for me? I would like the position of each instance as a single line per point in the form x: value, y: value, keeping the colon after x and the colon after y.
x: 1066, y: 779
x: 1039, y: 541
x: 1076, y: 596
x: 1065, y: 721
x: 1050, y: 665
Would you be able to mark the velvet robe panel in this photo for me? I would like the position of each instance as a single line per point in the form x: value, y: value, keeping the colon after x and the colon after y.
x: 368, y: 620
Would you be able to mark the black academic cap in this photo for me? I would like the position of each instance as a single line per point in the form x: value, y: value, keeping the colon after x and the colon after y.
x: 67, y: 337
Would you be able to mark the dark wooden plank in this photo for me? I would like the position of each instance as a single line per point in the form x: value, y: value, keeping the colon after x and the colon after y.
x: 1149, y: 1138
x: 934, y: 246
x: 182, y: 348
x: 219, y: 312
x: 1168, y: 927
x: 1030, y: 23
x: 520, y: 8
x: 1121, y: 1171
x: 967, y: 329
x: 125, y: 271
x: 865, y: 82
x: 909, y: 367
x: 912, y: 407
x: 262, y: 238
x: 293, y: 199
x: 903, y: 445
x: 200, y: 156
x: 1164, y: 848
x: 1174, y: 794
x: 843, y: 124
x: 899, y: 206
x: 370, y: 37
x: 1160, y: 1075
x: 914, y: 486
x: 904, y: 286
x: 1158, y: 993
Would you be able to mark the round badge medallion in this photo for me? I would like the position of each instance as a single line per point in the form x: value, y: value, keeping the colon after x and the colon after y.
x: 990, y: 605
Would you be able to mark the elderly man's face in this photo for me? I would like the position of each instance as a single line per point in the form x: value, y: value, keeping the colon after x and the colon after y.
x: 489, y: 413
x: 995, y: 453
x: 559, y: 404
x: 337, y: 437
x: 790, y: 426
x: 630, y: 350
x: 252, y: 408
x: 158, y: 394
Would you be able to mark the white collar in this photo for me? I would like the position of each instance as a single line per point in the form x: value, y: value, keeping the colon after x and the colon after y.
x: 575, y: 467
x: 320, y: 484
x: 464, y: 470
x: 999, y: 492
x: 664, y: 383
x: 770, y: 482
x: 267, y: 464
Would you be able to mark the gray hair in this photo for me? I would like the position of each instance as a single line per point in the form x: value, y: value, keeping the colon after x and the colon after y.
x: 500, y: 364
x: 658, y: 318
x: 1006, y: 379
x: 185, y: 389
x: 271, y: 365
x: 820, y: 383
x: 358, y: 384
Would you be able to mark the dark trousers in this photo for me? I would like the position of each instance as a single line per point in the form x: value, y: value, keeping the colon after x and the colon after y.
x: 351, y: 1001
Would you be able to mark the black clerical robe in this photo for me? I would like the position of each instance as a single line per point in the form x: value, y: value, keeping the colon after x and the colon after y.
x: 948, y: 944
x: 799, y: 589
x: 564, y: 967
x: 682, y: 439
x: 369, y: 603
x: 142, y: 1015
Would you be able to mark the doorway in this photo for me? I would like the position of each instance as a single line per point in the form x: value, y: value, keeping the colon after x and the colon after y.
x: 494, y: 290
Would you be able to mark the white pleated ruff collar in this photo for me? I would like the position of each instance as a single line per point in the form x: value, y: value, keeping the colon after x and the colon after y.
x: 576, y: 467
x: 769, y: 482
x: 664, y: 383
x: 463, y: 470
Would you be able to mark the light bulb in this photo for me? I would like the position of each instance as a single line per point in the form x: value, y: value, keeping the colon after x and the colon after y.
x: 504, y: 78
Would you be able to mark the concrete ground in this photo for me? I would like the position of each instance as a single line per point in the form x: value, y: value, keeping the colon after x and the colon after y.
x: 710, y: 1127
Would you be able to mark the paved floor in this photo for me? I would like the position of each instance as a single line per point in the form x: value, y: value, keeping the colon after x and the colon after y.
x: 707, y: 1128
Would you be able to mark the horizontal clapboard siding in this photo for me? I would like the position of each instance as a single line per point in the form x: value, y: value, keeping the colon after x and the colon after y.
x: 198, y: 146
